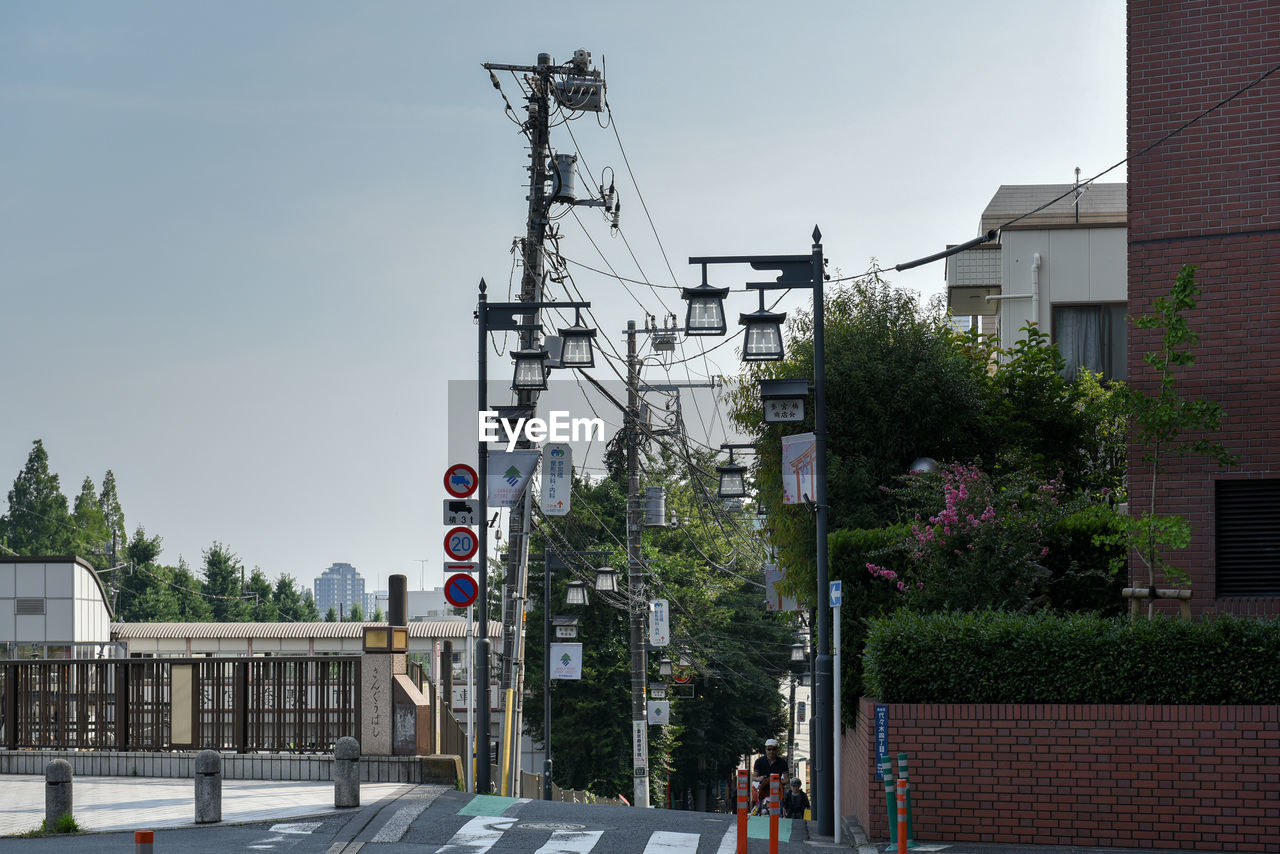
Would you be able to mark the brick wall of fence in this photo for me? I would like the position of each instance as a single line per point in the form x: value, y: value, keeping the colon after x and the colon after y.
x: 1191, y: 777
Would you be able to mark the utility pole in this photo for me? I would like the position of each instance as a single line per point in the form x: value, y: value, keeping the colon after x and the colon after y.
x: 636, y: 599
x: 576, y: 86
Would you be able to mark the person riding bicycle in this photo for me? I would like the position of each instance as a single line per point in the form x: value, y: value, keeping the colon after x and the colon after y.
x: 768, y: 764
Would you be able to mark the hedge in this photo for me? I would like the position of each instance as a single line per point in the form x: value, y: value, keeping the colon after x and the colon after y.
x: 1000, y: 657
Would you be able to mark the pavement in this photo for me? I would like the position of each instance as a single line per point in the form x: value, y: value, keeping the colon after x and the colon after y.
x: 106, y: 804
x: 121, y: 805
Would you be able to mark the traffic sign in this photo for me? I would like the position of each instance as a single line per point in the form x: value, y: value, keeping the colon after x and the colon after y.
x: 460, y: 590
x: 460, y: 480
x: 460, y: 543
x: 835, y: 593
x: 461, y: 511
x: 451, y: 568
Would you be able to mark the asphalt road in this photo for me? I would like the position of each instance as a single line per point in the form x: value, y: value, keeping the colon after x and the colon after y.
x: 429, y: 820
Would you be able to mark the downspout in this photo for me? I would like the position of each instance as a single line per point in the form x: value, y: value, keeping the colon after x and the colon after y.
x: 1035, y: 288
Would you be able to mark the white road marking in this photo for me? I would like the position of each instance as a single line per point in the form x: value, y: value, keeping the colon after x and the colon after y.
x: 296, y: 827
x: 729, y: 843
x: 571, y: 842
x: 477, y: 836
x: 399, y: 822
x: 668, y: 842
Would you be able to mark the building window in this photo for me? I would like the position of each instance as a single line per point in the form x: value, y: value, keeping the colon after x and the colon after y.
x: 1093, y: 337
x: 1248, y: 537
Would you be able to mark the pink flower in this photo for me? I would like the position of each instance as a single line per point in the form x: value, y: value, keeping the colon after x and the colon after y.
x: 902, y: 588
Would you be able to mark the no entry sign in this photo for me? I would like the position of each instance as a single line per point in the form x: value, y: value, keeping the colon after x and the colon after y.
x: 460, y: 590
x: 460, y: 543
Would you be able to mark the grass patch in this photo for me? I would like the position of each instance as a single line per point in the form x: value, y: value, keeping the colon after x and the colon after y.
x: 65, y: 824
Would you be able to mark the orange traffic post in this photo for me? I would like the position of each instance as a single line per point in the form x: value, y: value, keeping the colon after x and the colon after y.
x: 774, y: 785
x: 143, y: 841
x: 742, y: 812
x: 902, y: 816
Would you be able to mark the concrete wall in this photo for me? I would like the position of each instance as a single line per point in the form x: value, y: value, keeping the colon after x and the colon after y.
x: 1203, y: 778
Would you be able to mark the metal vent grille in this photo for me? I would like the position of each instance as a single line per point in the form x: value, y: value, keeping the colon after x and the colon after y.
x: 28, y: 606
x: 1248, y: 537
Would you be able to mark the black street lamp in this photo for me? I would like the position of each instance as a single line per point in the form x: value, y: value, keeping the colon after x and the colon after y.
x: 762, y: 341
x: 799, y: 271
x: 531, y: 370
x: 705, y: 315
x: 499, y: 317
x: 576, y: 350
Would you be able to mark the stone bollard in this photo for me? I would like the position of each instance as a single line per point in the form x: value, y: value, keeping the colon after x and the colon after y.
x: 57, y: 792
x: 208, y: 787
x: 346, y: 772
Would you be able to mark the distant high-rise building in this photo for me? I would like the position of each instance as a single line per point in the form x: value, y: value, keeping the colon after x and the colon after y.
x: 339, y: 587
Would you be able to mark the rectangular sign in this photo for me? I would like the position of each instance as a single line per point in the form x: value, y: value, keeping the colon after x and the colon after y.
x: 557, y: 478
x: 639, y: 743
x: 566, y: 661
x: 461, y: 511
x: 659, y: 623
x: 508, y: 475
x: 659, y: 712
x: 773, y: 600
x: 450, y: 568
x: 658, y: 690
x: 798, y: 472
x: 837, y: 592
x: 882, y: 737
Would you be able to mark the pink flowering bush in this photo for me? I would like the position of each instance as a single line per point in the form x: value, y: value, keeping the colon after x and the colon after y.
x: 985, y: 546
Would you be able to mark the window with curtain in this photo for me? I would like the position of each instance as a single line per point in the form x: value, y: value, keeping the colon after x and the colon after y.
x: 1092, y: 337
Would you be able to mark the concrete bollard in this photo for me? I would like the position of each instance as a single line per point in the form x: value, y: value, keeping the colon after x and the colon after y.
x: 346, y: 772
x: 208, y: 787
x: 57, y: 791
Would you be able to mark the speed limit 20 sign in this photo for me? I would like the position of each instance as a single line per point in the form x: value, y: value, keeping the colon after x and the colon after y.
x: 460, y: 543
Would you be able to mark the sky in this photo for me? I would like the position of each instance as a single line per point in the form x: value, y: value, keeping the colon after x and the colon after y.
x: 240, y: 242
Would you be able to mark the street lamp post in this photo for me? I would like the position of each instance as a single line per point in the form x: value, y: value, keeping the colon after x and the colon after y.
x: 498, y: 317
x: 797, y: 271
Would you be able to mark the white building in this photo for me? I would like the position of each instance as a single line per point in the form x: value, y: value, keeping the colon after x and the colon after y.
x: 1064, y: 268
x: 52, y: 607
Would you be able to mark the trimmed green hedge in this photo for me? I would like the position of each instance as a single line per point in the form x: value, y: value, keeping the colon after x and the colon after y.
x: 996, y: 657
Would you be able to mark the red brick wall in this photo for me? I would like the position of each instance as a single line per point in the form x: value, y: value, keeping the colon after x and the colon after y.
x: 1209, y: 196
x: 1189, y: 777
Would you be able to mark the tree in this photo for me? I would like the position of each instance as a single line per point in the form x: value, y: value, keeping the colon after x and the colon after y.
x: 331, y: 616
x: 356, y: 615
x: 135, y: 600
x: 112, y: 514
x: 1161, y: 420
x: 224, y: 585
x: 192, y: 604
x: 292, y: 604
x: 378, y: 616
x: 38, y: 521
x: 261, y: 598
x: 91, y: 539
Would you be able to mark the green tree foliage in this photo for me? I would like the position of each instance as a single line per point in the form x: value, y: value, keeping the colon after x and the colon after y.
x: 1161, y: 422
x: 262, y: 605
x: 356, y: 614
x: 192, y: 605
x: 134, y: 599
x: 293, y: 604
x: 331, y: 616
x: 708, y: 570
x: 91, y: 539
x: 38, y: 521
x: 224, y: 585
x: 112, y: 514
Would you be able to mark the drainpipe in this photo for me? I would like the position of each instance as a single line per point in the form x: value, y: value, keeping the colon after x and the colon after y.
x: 1035, y: 288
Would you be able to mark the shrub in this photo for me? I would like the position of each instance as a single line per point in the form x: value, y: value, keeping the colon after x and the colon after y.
x: 1000, y: 657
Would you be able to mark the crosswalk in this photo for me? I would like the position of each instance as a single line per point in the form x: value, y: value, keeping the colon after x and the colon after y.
x: 482, y: 833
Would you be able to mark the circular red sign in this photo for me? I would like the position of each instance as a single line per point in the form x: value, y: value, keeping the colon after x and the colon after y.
x: 461, y: 590
x: 460, y: 480
x: 460, y: 543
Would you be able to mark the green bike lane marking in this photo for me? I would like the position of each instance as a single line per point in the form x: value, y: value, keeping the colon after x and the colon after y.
x: 491, y: 805
x: 758, y: 828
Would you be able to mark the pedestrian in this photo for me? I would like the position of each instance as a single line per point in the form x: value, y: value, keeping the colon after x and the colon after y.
x: 768, y: 764
x: 795, y: 802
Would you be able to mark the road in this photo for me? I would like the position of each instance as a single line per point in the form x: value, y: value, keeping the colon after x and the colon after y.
x: 430, y: 819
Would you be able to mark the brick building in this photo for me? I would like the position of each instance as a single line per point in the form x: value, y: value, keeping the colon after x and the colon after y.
x: 1209, y: 195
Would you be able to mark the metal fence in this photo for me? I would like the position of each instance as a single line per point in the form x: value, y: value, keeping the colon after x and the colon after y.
x: 278, y: 704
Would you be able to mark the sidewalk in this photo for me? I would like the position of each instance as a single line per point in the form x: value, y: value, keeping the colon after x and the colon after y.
x: 148, y: 803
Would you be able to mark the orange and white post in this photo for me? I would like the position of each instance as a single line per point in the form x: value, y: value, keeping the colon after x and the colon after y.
x: 902, y: 816
x: 742, y: 812
x: 774, y: 785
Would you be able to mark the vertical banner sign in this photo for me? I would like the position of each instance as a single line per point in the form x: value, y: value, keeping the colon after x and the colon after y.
x: 659, y: 623
x: 882, y: 738
x: 798, y: 454
x: 659, y: 712
x: 639, y: 756
x: 566, y: 661
x: 509, y: 473
x: 773, y: 600
x: 557, y: 473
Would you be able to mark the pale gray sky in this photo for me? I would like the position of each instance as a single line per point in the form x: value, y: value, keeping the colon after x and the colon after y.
x: 240, y: 241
